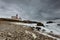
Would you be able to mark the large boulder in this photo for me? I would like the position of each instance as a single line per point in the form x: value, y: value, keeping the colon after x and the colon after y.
x: 40, y: 24
x: 50, y: 22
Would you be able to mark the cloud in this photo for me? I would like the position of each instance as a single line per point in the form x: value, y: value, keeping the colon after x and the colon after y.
x: 31, y: 9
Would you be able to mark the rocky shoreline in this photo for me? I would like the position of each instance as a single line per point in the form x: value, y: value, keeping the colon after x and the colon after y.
x: 19, y: 32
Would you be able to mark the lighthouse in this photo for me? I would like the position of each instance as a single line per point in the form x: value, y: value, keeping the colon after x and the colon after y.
x: 16, y: 17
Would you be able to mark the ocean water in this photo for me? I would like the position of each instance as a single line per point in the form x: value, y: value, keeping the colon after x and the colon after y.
x: 48, y: 27
x: 53, y: 27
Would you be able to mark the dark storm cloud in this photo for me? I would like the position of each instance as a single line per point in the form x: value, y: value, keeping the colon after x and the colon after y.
x: 31, y: 9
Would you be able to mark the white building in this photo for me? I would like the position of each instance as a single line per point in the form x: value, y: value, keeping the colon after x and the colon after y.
x: 16, y: 17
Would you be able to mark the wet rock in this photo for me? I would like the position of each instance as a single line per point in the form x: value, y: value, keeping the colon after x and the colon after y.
x: 50, y: 22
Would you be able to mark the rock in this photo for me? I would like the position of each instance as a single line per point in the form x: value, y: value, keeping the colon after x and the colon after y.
x: 40, y: 24
x: 38, y: 28
x: 50, y: 22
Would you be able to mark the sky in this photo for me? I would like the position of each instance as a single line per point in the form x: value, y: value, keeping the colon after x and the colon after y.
x: 31, y: 9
